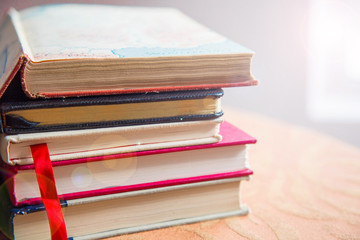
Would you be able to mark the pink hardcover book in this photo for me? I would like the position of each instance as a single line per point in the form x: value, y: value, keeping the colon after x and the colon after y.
x: 95, y: 176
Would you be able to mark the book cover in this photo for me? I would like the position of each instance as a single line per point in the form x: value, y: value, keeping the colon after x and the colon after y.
x: 77, y: 49
x: 85, y: 177
x: 132, y: 211
x: 109, y: 111
x: 97, y: 142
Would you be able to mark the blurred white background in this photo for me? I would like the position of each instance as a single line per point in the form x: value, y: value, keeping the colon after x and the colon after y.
x: 307, y: 56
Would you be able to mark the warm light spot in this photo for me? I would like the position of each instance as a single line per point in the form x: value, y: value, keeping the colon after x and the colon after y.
x: 124, y: 168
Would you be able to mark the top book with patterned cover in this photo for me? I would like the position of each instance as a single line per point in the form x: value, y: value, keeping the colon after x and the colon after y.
x: 77, y: 49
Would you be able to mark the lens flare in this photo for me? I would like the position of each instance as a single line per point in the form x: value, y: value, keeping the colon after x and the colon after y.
x: 81, y: 177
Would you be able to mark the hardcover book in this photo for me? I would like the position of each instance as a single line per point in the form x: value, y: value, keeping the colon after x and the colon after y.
x: 76, y: 50
x: 75, y: 144
x: 79, y: 178
x: 115, y: 214
x: 109, y: 111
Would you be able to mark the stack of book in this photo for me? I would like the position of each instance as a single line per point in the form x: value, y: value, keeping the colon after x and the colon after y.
x: 114, y: 114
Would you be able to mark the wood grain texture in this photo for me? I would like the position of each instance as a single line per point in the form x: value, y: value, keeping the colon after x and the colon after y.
x: 305, y: 186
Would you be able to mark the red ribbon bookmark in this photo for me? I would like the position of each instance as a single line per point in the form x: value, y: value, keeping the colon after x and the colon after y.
x: 49, y: 196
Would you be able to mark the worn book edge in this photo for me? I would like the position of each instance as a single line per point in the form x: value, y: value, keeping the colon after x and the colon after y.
x: 210, y: 126
x: 241, y: 212
x: 18, y: 44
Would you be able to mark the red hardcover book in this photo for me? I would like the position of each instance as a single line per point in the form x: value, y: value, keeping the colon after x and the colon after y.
x: 95, y: 176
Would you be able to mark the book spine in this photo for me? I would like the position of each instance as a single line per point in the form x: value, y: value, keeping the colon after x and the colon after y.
x: 4, y: 151
x: 1, y: 123
x: 7, y: 174
x: 6, y: 216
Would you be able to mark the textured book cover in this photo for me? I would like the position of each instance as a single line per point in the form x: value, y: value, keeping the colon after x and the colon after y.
x: 73, y: 49
x: 97, y: 142
x: 108, y: 111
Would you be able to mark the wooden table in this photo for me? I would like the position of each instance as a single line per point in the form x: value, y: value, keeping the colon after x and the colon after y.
x: 305, y: 186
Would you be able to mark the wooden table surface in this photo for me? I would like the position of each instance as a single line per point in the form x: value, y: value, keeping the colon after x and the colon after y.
x: 305, y: 186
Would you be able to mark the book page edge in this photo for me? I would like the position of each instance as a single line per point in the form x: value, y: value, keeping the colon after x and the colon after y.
x: 244, y: 210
